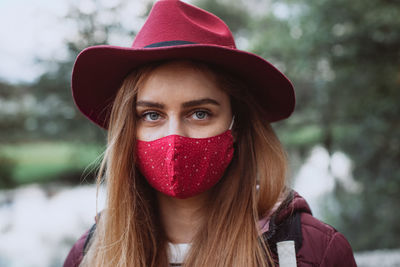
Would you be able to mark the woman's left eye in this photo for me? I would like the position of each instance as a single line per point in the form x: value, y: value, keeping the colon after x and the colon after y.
x: 200, y: 115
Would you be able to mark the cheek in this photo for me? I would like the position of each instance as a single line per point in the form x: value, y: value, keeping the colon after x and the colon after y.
x: 202, y: 132
x: 218, y: 126
x: 139, y: 132
x: 145, y: 133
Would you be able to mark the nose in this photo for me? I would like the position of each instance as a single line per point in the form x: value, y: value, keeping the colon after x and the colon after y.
x: 175, y: 126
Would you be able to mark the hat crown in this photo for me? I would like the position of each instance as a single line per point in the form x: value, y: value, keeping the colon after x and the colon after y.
x: 173, y: 20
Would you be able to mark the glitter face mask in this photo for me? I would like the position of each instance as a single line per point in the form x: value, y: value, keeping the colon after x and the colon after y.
x: 183, y: 167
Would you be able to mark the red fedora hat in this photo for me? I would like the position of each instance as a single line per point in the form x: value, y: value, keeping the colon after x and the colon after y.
x: 176, y: 30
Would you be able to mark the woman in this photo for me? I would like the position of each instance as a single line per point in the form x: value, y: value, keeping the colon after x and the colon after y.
x: 195, y: 175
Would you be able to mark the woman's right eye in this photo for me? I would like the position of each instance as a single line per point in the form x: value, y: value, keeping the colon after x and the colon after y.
x: 151, y: 116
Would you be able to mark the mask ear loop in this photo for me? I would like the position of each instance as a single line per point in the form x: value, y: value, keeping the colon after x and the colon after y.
x: 233, y: 120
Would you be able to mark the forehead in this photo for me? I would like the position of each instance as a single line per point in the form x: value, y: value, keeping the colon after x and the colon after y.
x: 180, y: 81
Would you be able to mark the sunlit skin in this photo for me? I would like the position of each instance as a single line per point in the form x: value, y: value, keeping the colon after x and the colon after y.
x: 177, y: 99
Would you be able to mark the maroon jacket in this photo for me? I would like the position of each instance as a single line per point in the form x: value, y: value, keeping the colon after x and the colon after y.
x: 316, y: 243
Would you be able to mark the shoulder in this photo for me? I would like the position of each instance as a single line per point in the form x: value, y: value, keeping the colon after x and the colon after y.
x: 316, y: 243
x: 323, y: 245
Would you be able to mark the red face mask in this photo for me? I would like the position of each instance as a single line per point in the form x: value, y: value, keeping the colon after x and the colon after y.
x: 183, y: 167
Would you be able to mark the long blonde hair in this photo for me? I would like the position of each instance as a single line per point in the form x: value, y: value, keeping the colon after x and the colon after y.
x: 129, y: 232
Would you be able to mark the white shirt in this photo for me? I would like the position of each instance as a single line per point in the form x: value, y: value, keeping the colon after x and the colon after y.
x: 177, y: 253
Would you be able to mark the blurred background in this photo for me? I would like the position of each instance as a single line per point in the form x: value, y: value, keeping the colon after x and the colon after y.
x: 343, y: 139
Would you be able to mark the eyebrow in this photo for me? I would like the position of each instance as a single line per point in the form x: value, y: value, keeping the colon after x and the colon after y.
x: 149, y: 104
x: 188, y: 104
x: 199, y: 102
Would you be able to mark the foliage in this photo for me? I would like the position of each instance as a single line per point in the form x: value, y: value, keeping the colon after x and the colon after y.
x: 236, y: 16
x: 344, y: 58
x: 46, y: 161
x: 7, y: 167
x: 45, y: 109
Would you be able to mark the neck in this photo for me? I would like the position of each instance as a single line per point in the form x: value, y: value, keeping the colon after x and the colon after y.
x: 181, y: 217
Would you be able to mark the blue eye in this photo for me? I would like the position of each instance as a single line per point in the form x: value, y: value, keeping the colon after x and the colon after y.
x: 200, y: 115
x: 151, y: 116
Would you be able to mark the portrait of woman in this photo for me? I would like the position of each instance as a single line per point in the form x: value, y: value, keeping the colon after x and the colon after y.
x: 194, y: 172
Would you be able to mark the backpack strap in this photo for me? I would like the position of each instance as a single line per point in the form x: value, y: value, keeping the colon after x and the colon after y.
x: 88, y: 238
x: 289, y: 229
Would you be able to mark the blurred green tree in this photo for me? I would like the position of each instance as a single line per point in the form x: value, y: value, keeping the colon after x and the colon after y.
x: 54, y: 115
x: 344, y: 59
x: 52, y: 89
x: 44, y: 110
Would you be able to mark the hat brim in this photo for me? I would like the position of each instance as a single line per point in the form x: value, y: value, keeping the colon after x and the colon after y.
x: 100, y: 70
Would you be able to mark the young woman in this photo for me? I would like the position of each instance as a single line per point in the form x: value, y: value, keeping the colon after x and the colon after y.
x: 195, y: 175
